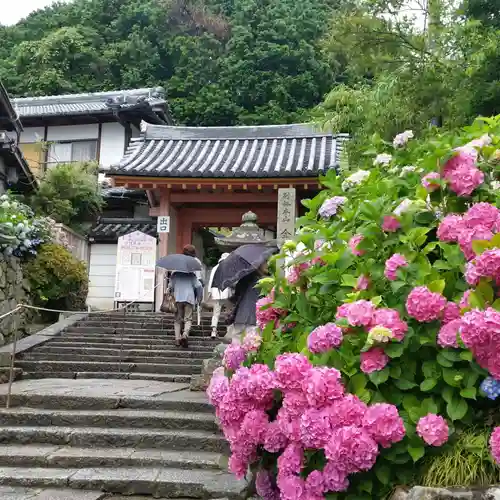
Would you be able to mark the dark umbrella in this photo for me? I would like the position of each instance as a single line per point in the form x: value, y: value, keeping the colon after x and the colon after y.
x: 180, y: 263
x: 240, y: 263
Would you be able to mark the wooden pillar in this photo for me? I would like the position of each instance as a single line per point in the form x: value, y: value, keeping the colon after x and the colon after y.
x: 164, y: 210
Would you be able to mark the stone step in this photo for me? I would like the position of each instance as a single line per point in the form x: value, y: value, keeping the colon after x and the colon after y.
x: 67, y: 456
x: 112, y: 343
x: 119, y: 323
x: 161, y: 377
x: 88, y: 437
x: 74, y: 395
x: 145, y: 419
x: 166, y: 482
x: 208, y: 343
x: 35, y: 356
x: 195, y: 331
x: 96, y: 366
x: 21, y: 493
x: 116, y: 351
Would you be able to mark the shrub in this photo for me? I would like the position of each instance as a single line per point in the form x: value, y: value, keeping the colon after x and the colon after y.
x: 58, y: 280
x: 69, y: 193
x: 376, y: 342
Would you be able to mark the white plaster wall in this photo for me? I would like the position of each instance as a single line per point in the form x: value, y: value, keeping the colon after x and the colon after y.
x: 112, y: 144
x: 73, y: 132
x: 32, y: 134
x: 102, y: 270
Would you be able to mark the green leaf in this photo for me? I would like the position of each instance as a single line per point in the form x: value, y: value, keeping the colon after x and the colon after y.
x: 457, y: 408
x: 443, y: 361
x: 395, y: 371
x: 486, y: 291
x: 416, y: 452
x: 366, y: 485
x: 476, y: 300
x: 448, y: 394
x: 394, y: 349
x: 496, y: 304
x: 349, y: 280
x: 437, y: 286
x: 428, y: 384
x: 466, y: 356
x: 358, y: 382
x: 404, y: 385
x: 453, y: 377
x: 365, y: 395
x: 379, y: 377
x: 469, y: 393
x: 431, y: 369
x: 383, y: 473
x: 479, y: 246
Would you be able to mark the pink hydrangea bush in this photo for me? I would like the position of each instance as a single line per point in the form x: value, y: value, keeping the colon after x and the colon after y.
x: 433, y: 429
x: 316, y: 414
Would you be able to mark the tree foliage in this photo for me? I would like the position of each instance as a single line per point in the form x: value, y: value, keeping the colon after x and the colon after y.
x: 223, y: 62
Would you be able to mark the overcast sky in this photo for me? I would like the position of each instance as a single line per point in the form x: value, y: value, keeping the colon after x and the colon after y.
x: 18, y: 9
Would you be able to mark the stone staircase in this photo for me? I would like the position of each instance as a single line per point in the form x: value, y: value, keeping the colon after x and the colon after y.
x: 104, y: 408
x: 131, y: 346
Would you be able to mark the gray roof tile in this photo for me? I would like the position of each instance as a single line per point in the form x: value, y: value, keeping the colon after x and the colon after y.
x: 108, y: 229
x: 76, y: 104
x: 238, y: 152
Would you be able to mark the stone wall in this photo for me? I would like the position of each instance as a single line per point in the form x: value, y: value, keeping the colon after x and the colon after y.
x: 14, y: 289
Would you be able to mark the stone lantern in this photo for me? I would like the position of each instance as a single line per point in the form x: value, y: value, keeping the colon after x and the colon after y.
x: 249, y: 232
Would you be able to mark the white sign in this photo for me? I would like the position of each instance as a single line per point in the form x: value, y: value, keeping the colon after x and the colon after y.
x: 163, y: 224
x: 286, y: 214
x: 135, y: 268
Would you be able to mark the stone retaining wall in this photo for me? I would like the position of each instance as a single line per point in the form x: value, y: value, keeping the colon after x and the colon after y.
x: 421, y: 493
x: 14, y: 289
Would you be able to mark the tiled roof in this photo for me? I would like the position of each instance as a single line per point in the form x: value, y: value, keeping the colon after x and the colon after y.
x: 238, y: 152
x: 76, y: 104
x: 111, y: 229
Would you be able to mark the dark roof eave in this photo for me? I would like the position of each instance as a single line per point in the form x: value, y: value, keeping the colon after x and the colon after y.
x: 11, y: 151
x: 159, y: 175
x: 13, y: 122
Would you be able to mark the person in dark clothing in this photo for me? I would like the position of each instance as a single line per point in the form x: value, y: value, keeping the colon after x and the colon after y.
x: 245, y: 299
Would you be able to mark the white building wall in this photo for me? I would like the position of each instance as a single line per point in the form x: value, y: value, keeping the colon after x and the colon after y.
x: 72, y: 132
x: 112, y: 144
x: 32, y: 134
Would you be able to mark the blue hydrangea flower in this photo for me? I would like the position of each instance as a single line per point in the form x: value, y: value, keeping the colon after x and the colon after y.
x: 491, y: 387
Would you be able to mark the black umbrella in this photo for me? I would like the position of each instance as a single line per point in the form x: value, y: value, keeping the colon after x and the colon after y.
x: 180, y: 263
x: 240, y: 263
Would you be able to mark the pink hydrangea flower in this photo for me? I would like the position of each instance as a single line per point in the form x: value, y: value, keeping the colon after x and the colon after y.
x: 291, y: 487
x: 433, y: 429
x: 315, y: 428
x: 389, y: 318
x: 424, y: 305
x: 451, y: 312
x: 450, y: 228
x: 363, y: 282
x: 373, y: 360
x: 353, y: 245
x: 465, y: 156
x: 237, y: 466
x: 488, y: 263
x: 323, y: 338
x: 390, y: 224
x: 322, y: 386
x: 295, y: 272
x: 264, y: 486
x: 429, y: 181
x: 289, y: 426
x: 447, y: 336
x: 291, y: 460
x: 471, y: 275
x: 482, y: 214
x: 266, y: 314
x: 464, y: 301
x: 217, y: 389
x: 291, y: 369
x: 349, y: 410
x: 334, y: 479
x: 474, y: 329
x: 352, y: 449
x: 359, y: 313
x: 254, y: 426
x: 315, y: 484
x: 383, y: 423
x: 392, y: 264
x: 295, y: 403
x: 234, y: 355
x: 330, y: 206
x: 495, y: 444
x: 467, y: 236
x: 260, y: 383
x: 464, y: 179
x: 252, y: 340
x: 274, y: 439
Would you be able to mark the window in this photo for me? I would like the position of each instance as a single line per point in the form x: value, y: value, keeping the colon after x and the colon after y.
x: 67, y: 152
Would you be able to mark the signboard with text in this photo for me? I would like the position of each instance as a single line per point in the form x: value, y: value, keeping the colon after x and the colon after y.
x: 286, y: 214
x: 163, y: 224
x: 135, y: 268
